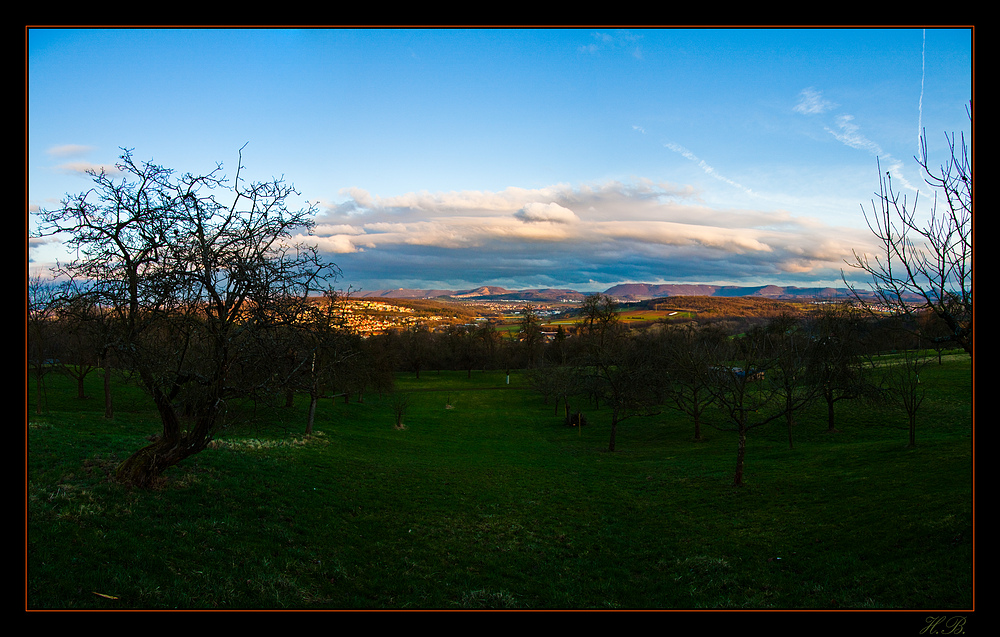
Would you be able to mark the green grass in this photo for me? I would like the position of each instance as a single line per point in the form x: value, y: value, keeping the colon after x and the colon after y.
x: 485, y: 500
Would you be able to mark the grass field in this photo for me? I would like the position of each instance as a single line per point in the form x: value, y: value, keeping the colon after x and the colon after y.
x: 486, y: 501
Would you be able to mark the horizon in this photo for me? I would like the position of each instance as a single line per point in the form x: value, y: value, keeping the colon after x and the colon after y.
x: 575, y: 158
x: 644, y: 292
x: 596, y: 291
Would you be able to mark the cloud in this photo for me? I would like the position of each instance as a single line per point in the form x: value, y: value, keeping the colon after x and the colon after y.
x: 618, y: 40
x: 709, y: 170
x: 560, y: 234
x: 552, y: 212
x: 811, y: 102
x: 85, y: 167
x: 69, y: 150
x: 79, y: 167
x: 849, y: 133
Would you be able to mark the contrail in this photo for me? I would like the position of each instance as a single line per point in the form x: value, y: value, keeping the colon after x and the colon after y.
x: 920, y: 104
x: 687, y: 154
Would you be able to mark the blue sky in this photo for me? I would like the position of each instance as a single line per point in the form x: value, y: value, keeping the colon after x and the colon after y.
x: 581, y: 157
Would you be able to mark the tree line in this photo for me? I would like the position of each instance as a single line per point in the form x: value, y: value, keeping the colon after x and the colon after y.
x: 766, y: 374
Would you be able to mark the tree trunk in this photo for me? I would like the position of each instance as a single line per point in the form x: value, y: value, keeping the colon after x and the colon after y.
x: 614, y: 430
x: 313, y: 399
x: 109, y: 410
x: 828, y: 394
x: 697, y: 416
x: 143, y: 467
x: 38, y: 392
x: 791, y: 422
x: 740, y: 454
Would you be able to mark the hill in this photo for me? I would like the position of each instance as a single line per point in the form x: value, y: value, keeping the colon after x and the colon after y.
x: 483, y: 293
x: 643, y: 291
x: 714, y: 307
x: 624, y: 292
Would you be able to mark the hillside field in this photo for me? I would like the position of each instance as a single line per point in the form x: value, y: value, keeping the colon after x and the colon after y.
x: 485, y: 500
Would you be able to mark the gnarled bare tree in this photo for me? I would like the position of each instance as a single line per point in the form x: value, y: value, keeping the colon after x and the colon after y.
x: 193, y: 285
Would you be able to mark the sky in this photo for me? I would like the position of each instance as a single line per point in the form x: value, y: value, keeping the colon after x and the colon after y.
x: 524, y: 158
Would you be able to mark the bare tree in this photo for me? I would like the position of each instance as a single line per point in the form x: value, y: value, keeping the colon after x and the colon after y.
x: 927, y: 258
x: 688, y: 354
x: 195, y: 285
x: 321, y: 348
x: 624, y: 372
x: 739, y: 390
x: 840, y: 358
x: 40, y: 345
x: 400, y: 404
x: 791, y: 377
x: 600, y: 314
x: 530, y: 334
x: 901, y: 384
x: 79, y: 335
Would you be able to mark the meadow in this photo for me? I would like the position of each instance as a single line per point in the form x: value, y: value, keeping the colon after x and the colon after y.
x: 485, y: 500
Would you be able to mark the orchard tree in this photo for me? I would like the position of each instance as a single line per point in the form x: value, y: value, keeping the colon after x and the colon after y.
x: 80, y: 338
x: 621, y: 371
x: 196, y: 272
x: 600, y: 314
x: 688, y: 352
x: 40, y: 344
x: 95, y: 331
x: 740, y: 392
x: 491, y: 342
x: 464, y: 349
x: 790, y: 378
x: 320, y: 348
x: 416, y: 348
x: 840, y: 358
x: 530, y: 334
x: 901, y: 385
x: 927, y: 255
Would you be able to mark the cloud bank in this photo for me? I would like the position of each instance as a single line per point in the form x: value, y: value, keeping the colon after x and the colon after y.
x: 566, y: 236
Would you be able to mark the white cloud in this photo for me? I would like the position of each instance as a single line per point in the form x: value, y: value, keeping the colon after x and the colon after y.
x: 811, y: 102
x: 618, y: 40
x: 560, y: 232
x: 79, y: 167
x: 85, y: 167
x: 552, y: 212
x: 69, y: 150
x: 849, y: 133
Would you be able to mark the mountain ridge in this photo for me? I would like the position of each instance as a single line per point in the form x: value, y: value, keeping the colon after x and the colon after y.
x: 624, y: 292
